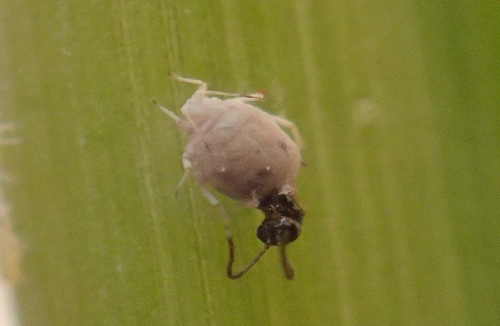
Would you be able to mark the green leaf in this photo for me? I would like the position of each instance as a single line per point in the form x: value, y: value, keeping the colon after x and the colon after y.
x: 398, y: 102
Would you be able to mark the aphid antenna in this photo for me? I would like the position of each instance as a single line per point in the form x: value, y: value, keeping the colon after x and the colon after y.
x: 245, y: 97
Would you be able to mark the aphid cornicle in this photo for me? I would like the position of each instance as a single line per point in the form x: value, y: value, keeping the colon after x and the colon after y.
x: 242, y: 152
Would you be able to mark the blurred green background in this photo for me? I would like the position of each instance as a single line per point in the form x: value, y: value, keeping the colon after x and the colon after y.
x: 399, y: 105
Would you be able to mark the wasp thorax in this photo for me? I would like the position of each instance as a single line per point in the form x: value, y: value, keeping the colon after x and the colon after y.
x: 282, y: 224
x: 278, y: 232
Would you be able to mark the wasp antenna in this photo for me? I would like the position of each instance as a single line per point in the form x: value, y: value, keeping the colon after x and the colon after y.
x: 230, y: 263
x: 287, y: 266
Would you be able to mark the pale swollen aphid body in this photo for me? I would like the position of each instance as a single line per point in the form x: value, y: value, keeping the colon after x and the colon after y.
x: 242, y: 152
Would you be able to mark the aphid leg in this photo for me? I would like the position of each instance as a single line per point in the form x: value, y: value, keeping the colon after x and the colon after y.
x: 229, y: 237
x: 215, y: 202
x: 183, y: 124
x: 202, y: 86
x: 168, y: 112
x: 187, y: 170
x: 203, y: 89
x: 293, y: 128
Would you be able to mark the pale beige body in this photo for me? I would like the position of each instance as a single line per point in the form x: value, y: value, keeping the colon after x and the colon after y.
x: 237, y: 148
x: 241, y: 151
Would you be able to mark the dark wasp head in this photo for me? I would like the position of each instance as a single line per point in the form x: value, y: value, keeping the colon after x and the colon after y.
x: 283, y: 221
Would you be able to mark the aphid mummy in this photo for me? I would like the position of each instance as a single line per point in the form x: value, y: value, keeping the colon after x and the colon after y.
x: 243, y: 153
